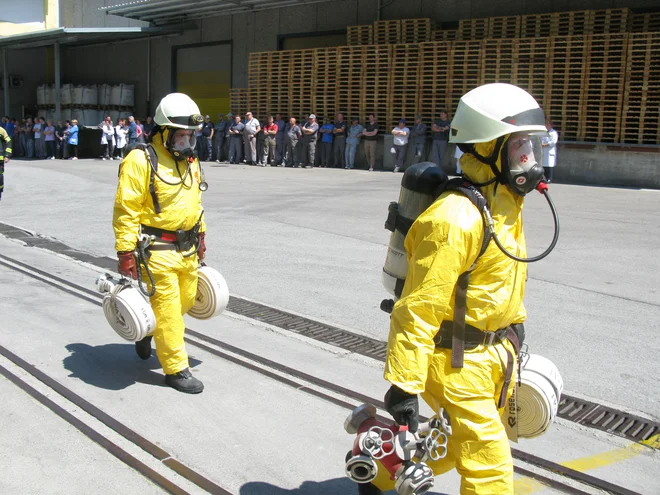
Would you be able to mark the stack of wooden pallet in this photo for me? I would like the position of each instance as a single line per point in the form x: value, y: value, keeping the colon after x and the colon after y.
x: 473, y: 29
x: 565, y: 84
x: 433, y: 79
x: 360, y: 35
x: 376, y: 81
x: 238, y: 100
x: 531, y: 68
x: 603, y: 88
x: 403, y: 95
x: 504, y: 27
x: 387, y: 32
x: 645, y: 23
x: 326, y: 83
x: 641, y: 106
x: 415, y: 30
x: 464, y: 71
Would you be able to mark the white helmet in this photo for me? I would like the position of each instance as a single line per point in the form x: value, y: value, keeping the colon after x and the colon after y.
x: 178, y: 110
x: 494, y: 110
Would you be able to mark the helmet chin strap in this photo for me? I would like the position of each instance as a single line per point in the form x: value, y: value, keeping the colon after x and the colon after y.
x: 488, y: 160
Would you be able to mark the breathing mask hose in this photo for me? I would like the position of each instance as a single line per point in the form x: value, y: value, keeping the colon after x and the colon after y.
x: 543, y: 189
x: 142, y: 261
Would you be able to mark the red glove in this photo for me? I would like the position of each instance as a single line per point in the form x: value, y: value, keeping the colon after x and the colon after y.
x: 126, y: 265
x: 201, y: 252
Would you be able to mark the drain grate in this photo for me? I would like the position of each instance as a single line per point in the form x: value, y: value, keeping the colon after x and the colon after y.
x: 328, y: 334
x: 610, y: 420
x: 591, y: 414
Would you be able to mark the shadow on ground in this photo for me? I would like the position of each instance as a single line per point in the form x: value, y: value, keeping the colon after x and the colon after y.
x: 114, y: 366
x: 338, y: 486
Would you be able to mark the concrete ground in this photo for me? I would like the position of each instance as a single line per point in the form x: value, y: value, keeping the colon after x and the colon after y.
x: 311, y: 241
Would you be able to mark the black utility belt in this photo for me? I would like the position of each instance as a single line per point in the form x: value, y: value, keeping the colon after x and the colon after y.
x: 473, y: 336
x: 179, y: 240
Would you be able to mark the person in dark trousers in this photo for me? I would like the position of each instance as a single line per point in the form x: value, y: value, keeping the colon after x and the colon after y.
x: 269, y: 131
x: 339, y: 146
x: 280, y: 139
x: 220, y: 129
x: 440, y: 131
x: 326, y: 131
x: 292, y: 136
x: 236, y: 130
x: 72, y: 139
x: 207, y: 139
x: 418, y: 138
x: 309, y: 133
x: 148, y: 126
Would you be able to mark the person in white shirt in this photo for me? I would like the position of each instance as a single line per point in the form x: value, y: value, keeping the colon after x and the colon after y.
x: 549, y: 145
x: 121, y: 132
x: 401, y: 134
x: 107, y: 138
x: 251, y: 128
x: 457, y: 155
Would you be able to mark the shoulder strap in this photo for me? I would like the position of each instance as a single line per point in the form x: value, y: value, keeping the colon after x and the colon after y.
x: 152, y: 161
x: 469, y: 190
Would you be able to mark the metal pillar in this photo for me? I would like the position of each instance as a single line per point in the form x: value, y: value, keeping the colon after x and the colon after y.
x: 149, y: 76
x: 57, y: 82
x: 5, y: 80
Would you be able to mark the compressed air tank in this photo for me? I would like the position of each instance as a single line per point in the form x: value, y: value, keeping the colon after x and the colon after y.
x: 419, y: 188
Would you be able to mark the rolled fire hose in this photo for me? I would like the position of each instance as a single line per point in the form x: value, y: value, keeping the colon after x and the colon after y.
x: 212, y: 294
x: 538, y: 396
x: 128, y: 312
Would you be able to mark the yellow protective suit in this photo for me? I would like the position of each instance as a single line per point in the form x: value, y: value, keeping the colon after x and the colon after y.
x: 444, y: 242
x: 5, y: 151
x: 175, y: 275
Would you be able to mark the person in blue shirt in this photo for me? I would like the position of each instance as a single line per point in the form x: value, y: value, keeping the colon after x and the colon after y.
x: 132, y: 130
x: 326, y: 142
x: 72, y: 139
x: 10, y: 127
x: 352, y: 142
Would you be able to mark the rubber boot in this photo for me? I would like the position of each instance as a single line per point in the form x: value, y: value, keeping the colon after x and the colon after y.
x: 143, y: 347
x: 185, y: 382
x: 368, y: 489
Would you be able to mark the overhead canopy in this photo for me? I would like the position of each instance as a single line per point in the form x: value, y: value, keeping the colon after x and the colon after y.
x: 80, y: 36
x: 160, y: 12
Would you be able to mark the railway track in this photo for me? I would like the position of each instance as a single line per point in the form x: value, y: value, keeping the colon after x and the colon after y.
x: 547, y: 472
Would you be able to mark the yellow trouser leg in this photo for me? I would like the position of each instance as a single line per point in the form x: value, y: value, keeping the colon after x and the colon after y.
x: 176, y: 286
x: 478, y: 447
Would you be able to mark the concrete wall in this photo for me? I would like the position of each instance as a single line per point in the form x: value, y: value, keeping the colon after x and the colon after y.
x: 608, y: 165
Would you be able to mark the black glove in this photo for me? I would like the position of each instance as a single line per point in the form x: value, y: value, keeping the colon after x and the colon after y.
x: 403, y: 407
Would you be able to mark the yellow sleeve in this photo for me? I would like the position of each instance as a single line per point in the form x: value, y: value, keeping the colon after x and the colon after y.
x: 132, y: 193
x: 202, y: 223
x: 7, y: 139
x: 443, y: 243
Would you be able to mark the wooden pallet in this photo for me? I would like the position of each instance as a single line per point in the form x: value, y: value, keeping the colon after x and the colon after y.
x: 387, y: 32
x: 645, y: 23
x: 640, y: 121
x: 444, y: 34
x: 473, y: 29
x: 536, y: 26
x: 415, y: 30
x: 360, y: 35
x: 611, y: 21
x: 573, y: 23
x: 377, y: 66
x: 565, y: 84
x: 504, y: 27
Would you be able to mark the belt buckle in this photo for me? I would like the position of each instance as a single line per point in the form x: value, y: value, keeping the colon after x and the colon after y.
x: 489, y: 338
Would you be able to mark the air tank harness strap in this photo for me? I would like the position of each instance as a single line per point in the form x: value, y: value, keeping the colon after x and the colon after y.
x: 473, y: 337
x: 396, y: 221
x: 179, y: 240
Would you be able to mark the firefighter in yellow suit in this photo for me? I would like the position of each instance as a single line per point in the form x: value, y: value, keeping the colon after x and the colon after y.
x: 496, y: 126
x: 5, y: 155
x: 163, y: 200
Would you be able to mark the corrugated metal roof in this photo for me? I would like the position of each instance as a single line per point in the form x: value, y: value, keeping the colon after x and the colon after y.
x: 160, y: 12
x: 80, y: 36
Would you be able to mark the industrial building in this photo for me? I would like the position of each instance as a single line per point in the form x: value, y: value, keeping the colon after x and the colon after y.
x: 592, y: 65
